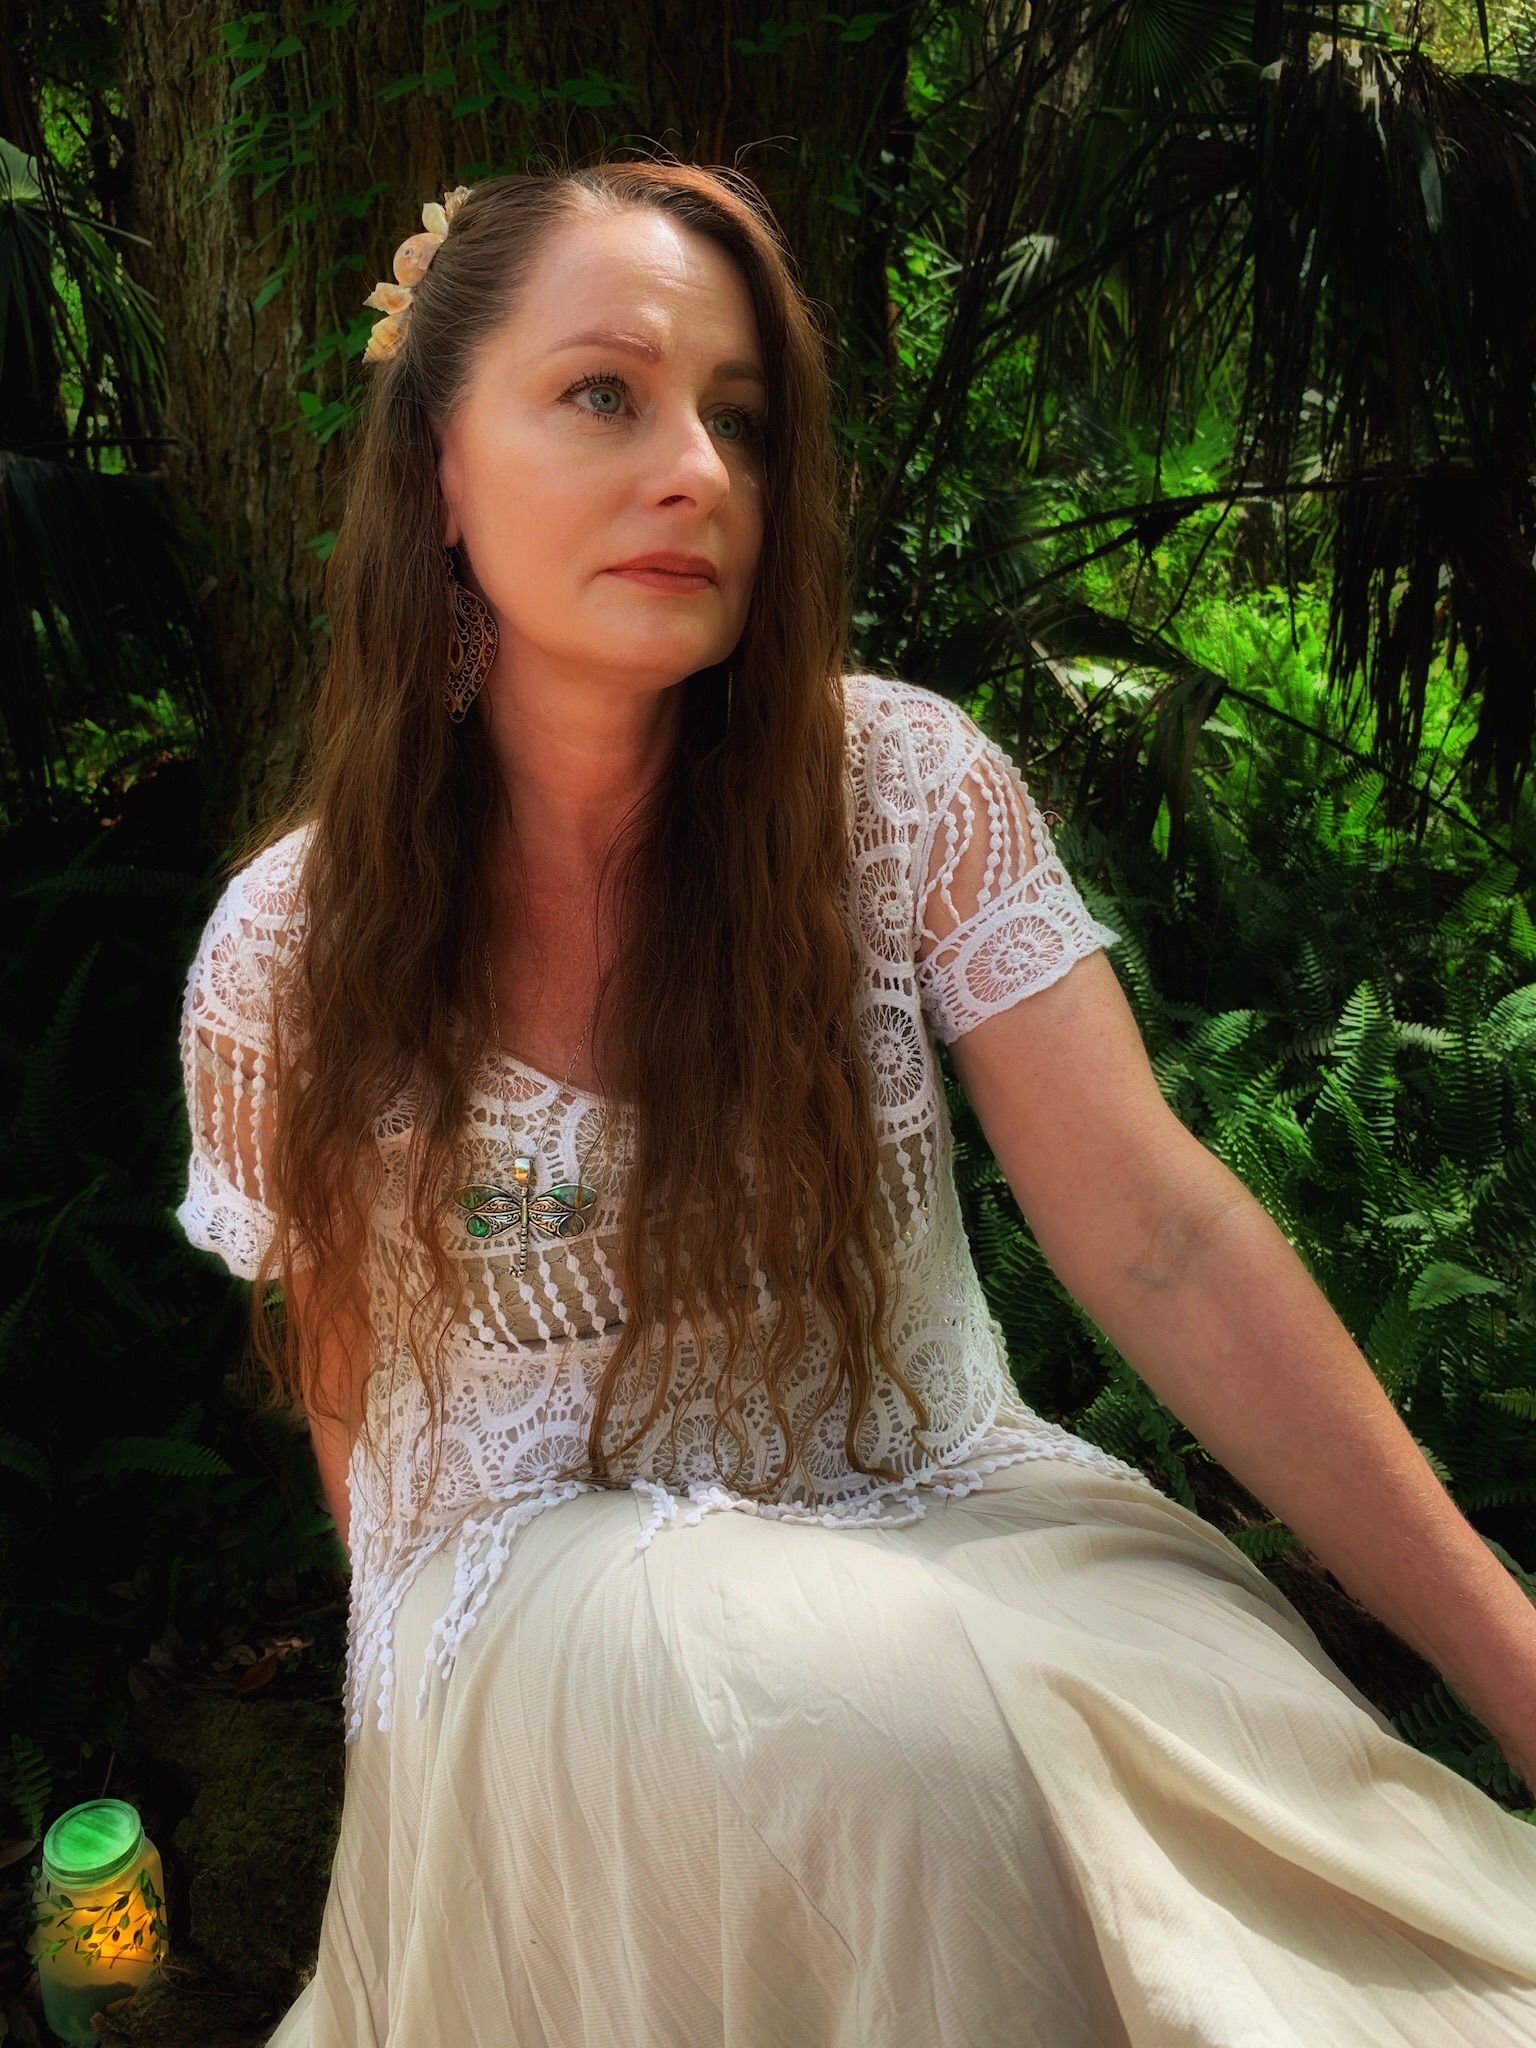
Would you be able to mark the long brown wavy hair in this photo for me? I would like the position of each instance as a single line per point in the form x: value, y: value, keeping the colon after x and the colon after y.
x: 735, y: 974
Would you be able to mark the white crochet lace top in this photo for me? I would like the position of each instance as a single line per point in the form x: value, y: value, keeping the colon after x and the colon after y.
x: 964, y: 909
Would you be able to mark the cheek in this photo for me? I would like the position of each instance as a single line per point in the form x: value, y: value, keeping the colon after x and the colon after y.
x: 538, y: 508
x: 750, y: 505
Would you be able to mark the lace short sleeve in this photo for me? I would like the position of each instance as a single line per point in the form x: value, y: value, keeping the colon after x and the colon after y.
x: 997, y: 915
x: 226, y: 1059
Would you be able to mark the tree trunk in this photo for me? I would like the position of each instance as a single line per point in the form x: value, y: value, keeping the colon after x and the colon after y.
x: 805, y: 119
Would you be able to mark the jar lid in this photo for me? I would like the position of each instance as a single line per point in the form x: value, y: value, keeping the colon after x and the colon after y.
x: 87, y: 1844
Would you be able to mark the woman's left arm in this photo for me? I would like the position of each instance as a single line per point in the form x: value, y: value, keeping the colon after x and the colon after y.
x: 1186, y: 1272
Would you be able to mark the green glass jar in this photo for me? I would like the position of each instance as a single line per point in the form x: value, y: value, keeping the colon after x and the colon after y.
x: 99, y: 1931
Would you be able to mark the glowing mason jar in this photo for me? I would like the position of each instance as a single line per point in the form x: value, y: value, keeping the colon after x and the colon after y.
x: 99, y: 1927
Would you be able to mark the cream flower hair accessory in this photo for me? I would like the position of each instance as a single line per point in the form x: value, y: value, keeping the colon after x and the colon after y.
x: 413, y: 259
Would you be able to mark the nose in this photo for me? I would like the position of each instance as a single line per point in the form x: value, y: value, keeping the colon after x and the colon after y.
x: 691, y: 463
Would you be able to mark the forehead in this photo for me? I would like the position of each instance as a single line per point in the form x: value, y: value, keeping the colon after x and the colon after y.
x: 636, y: 268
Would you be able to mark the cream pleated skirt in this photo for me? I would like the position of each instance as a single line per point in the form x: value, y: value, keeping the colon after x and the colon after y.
x: 1054, y: 1767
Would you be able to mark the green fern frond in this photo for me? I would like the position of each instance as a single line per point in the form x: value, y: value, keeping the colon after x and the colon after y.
x: 1431, y: 1037
x: 1469, y: 1101
x: 1128, y: 1419
x: 28, y: 1782
x: 1111, y: 1420
x: 1493, y: 1445
x: 1483, y: 907
x: 975, y: 1168
x: 1216, y: 1038
x: 51, y: 1113
x: 1313, y: 1043
x: 118, y: 1283
x: 1444, y: 1727
x: 1268, y: 1150
x: 1312, y: 984
x: 1436, y: 1716
x: 1522, y: 933
x: 11, y: 1321
x: 1171, y: 1070
x: 1443, y: 1281
x: 1223, y: 1060
x: 75, y: 880
x: 1293, y: 1096
x: 1393, y: 1343
x: 1502, y: 1212
x: 1519, y: 1401
x: 16, y: 1455
x: 1516, y: 1571
x: 1510, y: 1026
x: 171, y: 1456
x: 119, y: 1211
x: 1494, y: 1493
x: 1438, y: 1466
x: 1364, y: 1046
x: 1269, y: 1540
x: 1376, y: 1174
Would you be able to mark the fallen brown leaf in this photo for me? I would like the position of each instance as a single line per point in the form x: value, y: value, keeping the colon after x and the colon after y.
x: 261, y: 1673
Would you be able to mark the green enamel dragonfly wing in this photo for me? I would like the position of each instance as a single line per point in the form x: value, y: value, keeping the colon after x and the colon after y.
x: 561, y: 1211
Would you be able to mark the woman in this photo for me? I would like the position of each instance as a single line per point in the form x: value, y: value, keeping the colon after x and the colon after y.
x: 843, y: 1700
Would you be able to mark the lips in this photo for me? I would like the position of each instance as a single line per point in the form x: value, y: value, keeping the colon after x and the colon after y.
x: 667, y: 570
x: 671, y: 558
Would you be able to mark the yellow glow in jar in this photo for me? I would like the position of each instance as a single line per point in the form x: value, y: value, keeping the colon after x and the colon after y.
x: 99, y: 1927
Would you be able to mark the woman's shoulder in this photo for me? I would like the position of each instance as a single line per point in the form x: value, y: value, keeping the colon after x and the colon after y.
x: 258, y: 916
x: 270, y: 880
x: 249, y: 934
x: 908, y: 744
x: 267, y: 889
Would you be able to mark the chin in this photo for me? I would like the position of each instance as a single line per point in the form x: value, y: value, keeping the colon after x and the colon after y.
x: 669, y: 658
x: 639, y: 635
x: 648, y: 668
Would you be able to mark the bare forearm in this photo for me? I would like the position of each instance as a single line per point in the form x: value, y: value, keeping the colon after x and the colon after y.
x: 335, y: 1390
x: 331, y: 1455
x: 1220, y: 1317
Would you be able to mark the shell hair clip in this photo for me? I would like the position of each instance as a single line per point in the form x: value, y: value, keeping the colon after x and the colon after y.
x: 413, y: 259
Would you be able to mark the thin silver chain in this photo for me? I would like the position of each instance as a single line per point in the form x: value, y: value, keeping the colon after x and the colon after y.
x: 490, y: 981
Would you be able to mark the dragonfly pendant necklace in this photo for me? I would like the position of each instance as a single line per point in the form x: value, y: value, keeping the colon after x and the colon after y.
x: 561, y: 1211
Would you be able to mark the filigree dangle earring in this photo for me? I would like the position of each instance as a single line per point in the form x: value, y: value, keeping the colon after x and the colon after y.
x: 471, y: 644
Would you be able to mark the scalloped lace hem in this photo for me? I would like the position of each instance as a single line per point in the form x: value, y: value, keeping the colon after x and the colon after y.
x: 382, y: 1573
x: 218, y: 1217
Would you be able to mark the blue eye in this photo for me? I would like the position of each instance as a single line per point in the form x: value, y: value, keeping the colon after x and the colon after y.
x: 748, y: 424
x: 605, y: 385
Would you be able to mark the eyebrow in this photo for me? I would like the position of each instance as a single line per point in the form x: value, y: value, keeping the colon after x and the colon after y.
x: 637, y: 345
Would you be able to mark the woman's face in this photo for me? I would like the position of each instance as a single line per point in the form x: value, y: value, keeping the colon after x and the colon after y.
x: 614, y: 415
